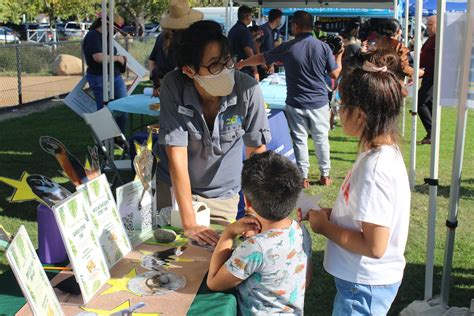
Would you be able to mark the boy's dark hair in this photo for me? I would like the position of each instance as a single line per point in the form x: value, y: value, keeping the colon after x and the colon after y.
x: 243, y: 12
x: 377, y: 93
x: 303, y: 19
x: 272, y: 183
x: 195, y: 39
x: 274, y: 14
x: 391, y: 27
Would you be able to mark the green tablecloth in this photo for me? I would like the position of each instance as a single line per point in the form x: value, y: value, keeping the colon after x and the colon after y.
x: 206, y: 302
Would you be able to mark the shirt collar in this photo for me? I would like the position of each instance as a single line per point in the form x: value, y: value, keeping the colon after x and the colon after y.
x: 304, y: 34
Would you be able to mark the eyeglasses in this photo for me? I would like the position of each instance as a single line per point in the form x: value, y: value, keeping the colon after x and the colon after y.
x: 217, y: 67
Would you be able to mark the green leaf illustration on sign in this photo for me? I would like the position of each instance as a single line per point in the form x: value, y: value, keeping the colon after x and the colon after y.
x: 95, y: 186
x: 96, y: 286
x: 96, y: 223
x: 62, y: 216
x: 72, y: 206
x: 118, y: 255
x: 73, y: 248
x: 21, y: 247
x: 33, y: 297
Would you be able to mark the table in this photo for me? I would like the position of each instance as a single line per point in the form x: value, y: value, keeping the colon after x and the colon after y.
x: 135, y: 104
x: 204, y: 303
x: 274, y: 94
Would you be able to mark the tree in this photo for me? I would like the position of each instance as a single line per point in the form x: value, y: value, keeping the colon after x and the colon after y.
x: 140, y: 10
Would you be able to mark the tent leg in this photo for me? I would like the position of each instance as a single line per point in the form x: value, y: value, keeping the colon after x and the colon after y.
x: 416, y: 81
x: 451, y: 223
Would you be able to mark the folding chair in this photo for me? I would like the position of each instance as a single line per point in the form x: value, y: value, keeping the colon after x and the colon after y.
x: 104, y: 130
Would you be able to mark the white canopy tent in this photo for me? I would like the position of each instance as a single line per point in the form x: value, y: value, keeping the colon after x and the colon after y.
x: 462, y: 108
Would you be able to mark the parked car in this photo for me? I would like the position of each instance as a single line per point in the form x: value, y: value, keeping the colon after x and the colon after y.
x: 152, y: 29
x: 7, y: 35
x: 73, y: 29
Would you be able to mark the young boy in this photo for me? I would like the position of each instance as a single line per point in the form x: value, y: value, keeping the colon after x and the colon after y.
x: 272, y: 267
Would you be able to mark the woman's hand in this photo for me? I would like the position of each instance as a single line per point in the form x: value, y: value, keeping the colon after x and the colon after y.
x: 156, y: 92
x: 202, y: 234
x: 248, y: 226
x: 318, y: 220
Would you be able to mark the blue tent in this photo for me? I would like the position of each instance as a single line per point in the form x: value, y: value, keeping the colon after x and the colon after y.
x: 429, y: 7
x: 339, y: 12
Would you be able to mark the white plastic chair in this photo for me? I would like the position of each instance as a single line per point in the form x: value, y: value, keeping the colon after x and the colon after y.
x: 105, y: 130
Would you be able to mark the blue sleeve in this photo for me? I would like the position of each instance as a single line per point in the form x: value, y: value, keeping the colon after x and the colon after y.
x: 247, y: 40
x: 173, y: 131
x: 278, y: 53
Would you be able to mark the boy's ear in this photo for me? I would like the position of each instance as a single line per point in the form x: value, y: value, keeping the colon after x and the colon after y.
x: 248, y: 204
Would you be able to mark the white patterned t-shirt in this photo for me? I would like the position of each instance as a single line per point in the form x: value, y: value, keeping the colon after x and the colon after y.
x: 273, y: 266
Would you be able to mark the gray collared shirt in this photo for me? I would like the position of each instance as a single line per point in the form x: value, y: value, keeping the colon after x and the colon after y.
x: 214, y: 157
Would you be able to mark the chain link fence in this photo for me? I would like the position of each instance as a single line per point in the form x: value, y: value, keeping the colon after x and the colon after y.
x: 28, y: 71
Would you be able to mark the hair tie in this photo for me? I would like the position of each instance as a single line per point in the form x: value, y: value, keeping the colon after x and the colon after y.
x: 370, y: 67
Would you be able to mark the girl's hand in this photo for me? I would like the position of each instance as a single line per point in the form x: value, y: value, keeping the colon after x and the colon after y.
x: 247, y: 225
x: 318, y: 220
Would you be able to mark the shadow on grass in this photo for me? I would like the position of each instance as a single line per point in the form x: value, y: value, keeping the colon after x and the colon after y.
x: 320, y: 295
x: 443, y: 191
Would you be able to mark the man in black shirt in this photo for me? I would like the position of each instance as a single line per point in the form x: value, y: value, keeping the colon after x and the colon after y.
x: 267, y: 40
x: 241, y: 42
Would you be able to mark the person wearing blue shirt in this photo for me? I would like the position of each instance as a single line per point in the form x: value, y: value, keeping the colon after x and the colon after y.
x: 268, y: 39
x: 241, y: 41
x: 306, y: 60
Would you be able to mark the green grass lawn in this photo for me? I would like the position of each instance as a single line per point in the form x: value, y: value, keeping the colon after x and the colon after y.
x: 19, y: 150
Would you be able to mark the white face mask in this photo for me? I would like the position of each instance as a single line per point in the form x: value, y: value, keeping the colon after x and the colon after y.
x: 217, y: 85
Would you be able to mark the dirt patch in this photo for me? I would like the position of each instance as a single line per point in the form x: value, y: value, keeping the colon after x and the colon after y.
x: 35, y: 88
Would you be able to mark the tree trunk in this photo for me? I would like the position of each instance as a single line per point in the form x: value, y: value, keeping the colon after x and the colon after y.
x: 140, y: 25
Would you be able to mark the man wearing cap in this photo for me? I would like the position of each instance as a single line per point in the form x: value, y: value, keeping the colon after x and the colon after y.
x: 161, y: 61
x: 241, y: 42
x: 306, y: 61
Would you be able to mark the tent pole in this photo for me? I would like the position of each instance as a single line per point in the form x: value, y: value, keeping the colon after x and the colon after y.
x: 405, y: 36
x: 231, y: 14
x: 286, y: 27
x: 105, y: 79
x: 434, y: 164
x: 227, y: 25
x: 395, y: 9
x: 111, y: 51
x: 416, y: 81
x: 451, y: 223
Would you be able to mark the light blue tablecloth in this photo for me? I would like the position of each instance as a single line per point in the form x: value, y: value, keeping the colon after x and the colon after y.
x: 135, y: 104
x: 274, y: 94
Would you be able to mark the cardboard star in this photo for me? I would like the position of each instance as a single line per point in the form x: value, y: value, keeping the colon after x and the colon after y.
x: 124, y: 305
x: 22, y: 191
x: 118, y: 285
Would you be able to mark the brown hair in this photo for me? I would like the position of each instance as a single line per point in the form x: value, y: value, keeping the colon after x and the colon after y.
x: 375, y: 90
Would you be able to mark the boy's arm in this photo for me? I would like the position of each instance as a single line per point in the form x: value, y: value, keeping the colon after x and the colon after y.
x: 219, y: 277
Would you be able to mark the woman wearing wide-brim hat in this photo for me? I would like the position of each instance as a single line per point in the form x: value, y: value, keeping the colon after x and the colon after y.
x: 161, y: 61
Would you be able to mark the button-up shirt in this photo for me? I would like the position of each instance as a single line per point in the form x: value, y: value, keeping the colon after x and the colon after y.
x: 214, y: 156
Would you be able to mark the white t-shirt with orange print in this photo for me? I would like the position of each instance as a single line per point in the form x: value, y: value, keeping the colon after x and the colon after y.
x: 376, y: 190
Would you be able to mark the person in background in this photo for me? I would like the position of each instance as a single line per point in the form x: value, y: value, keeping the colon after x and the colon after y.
x: 390, y: 39
x: 271, y: 268
x: 350, y: 36
x: 92, y: 48
x: 318, y: 31
x: 208, y: 113
x: 306, y: 60
x: 425, y: 94
x: 267, y: 41
x: 241, y: 42
x: 161, y: 61
x: 367, y: 229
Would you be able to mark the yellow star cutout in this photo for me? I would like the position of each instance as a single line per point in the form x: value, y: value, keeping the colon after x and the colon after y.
x: 124, y: 305
x: 121, y: 284
x: 22, y: 191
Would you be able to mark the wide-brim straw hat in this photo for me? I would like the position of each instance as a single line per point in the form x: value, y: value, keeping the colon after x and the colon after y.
x: 180, y: 15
